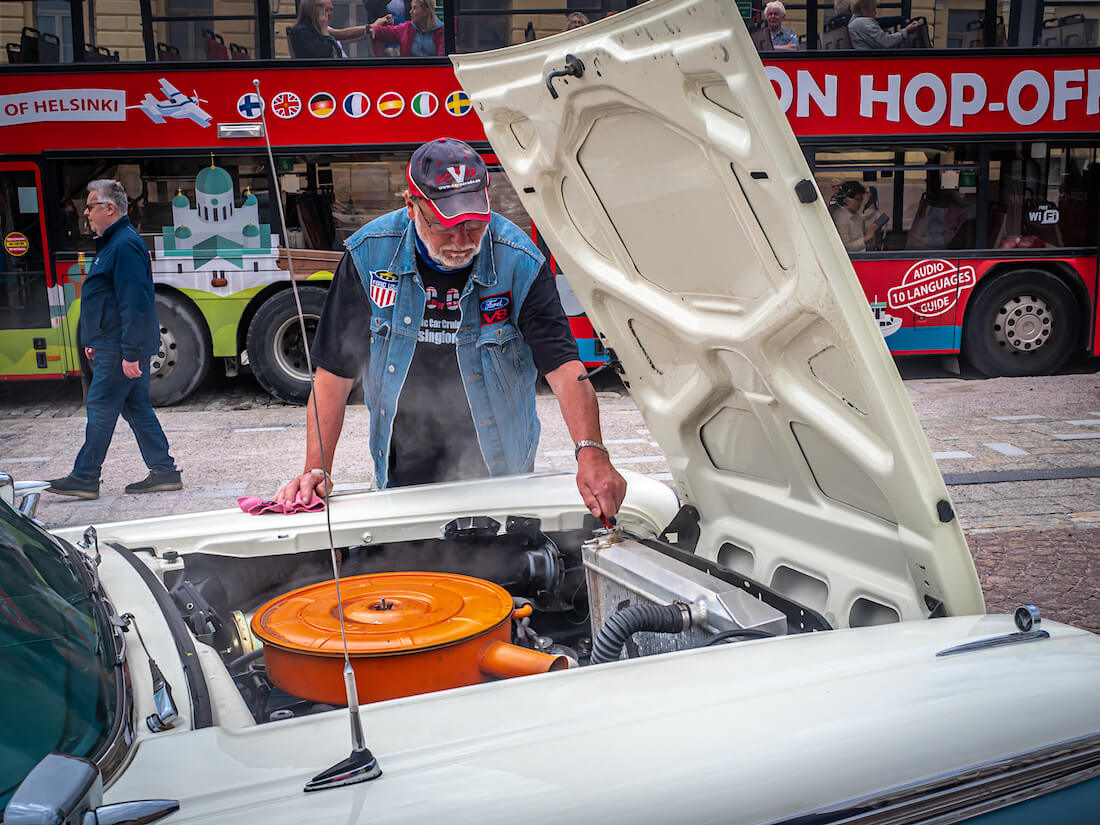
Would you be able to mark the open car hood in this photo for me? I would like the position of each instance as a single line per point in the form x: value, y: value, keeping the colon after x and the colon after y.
x: 673, y: 194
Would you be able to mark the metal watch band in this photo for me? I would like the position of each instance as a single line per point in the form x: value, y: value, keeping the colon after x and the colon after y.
x: 587, y: 443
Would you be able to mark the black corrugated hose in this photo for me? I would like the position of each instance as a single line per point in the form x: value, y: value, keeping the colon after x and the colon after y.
x: 655, y: 618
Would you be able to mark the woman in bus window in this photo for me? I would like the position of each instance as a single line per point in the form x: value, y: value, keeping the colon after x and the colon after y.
x: 865, y: 31
x: 419, y: 36
x: 312, y: 36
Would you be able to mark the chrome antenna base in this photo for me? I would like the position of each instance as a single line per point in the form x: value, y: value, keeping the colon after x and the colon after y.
x: 361, y: 766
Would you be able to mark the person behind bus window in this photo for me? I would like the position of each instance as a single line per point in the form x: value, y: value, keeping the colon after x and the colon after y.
x: 848, y: 217
x: 575, y: 21
x: 783, y: 39
x: 419, y: 36
x: 875, y: 220
x: 865, y: 31
x: 312, y: 36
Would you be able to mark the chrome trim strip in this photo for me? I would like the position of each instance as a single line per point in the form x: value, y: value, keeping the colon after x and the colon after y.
x: 956, y: 797
x: 996, y: 641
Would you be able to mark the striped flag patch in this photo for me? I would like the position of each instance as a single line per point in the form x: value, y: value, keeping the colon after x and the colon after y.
x: 458, y: 103
x: 390, y: 104
x: 356, y: 105
x: 383, y: 289
x: 322, y: 104
x: 424, y: 104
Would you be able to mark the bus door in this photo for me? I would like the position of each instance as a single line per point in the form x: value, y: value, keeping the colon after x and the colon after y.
x: 33, y: 342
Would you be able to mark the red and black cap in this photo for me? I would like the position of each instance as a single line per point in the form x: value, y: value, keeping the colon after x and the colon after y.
x: 452, y: 177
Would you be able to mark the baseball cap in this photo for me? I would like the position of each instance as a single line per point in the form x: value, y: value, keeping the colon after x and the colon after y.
x: 452, y: 177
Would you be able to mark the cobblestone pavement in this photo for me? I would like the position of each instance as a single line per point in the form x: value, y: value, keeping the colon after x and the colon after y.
x: 1033, y: 540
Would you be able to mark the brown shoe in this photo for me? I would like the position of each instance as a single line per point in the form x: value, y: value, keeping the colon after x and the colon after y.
x: 156, y: 483
x: 69, y: 486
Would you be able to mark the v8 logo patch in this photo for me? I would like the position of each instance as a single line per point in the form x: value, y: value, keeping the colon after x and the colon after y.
x: 495, y: 308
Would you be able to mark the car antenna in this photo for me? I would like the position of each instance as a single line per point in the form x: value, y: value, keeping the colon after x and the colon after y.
x: 361, y: 765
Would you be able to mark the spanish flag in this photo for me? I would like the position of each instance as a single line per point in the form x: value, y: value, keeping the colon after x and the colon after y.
x: 390, y: 104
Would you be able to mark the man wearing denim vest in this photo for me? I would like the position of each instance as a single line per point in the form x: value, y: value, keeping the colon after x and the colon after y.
x: 463, y: 316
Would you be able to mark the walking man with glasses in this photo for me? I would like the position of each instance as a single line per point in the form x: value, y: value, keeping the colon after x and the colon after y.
x: 119, y: 331
x: 450, y: 313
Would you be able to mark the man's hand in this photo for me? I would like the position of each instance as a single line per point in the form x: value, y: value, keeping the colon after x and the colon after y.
x: 131, y: 369
x: 308, y: 484
x: 600, y: 485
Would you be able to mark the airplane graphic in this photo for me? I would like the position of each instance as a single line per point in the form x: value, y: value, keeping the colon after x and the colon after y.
x: 176, y: 105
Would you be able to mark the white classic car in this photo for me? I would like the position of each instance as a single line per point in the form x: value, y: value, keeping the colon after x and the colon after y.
x: 795, y: 635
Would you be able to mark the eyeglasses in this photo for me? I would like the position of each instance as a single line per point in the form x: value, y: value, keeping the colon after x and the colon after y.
x: 436, y: 228
x: 90, y: 205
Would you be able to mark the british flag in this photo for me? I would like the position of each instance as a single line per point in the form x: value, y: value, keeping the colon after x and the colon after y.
x: 383, y: 289
x: 286, y: 105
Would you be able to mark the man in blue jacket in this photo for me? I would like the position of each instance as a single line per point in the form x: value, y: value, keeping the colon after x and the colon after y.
x: 119, y: 331
x: 449, y: 313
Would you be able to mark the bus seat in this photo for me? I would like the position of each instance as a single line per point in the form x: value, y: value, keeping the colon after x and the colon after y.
x: 972, y: 37
x: 28, y: 42
x: 1074, y: 30
x: 166, y: 52
x: 761, y: 39
x: 1051, y: 33
x: 15, y: 53
x: 835, y: 35
x: 239, y: 52
x: 49, y: 48
x: 920, y: 37
x: 215, y: 45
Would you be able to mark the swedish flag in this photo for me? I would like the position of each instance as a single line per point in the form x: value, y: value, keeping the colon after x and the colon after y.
x: 458, y: 103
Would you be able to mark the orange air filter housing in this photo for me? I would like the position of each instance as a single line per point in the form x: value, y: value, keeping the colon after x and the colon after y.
x: 407, y: 633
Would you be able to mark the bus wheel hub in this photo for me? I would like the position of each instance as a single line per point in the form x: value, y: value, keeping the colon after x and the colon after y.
x: 1023, y: 324
x: 163, y: 360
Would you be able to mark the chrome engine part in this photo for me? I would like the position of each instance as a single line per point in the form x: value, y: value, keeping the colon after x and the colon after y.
x: 622, y: 572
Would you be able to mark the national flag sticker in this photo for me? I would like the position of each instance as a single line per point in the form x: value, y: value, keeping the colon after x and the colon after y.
x: 424, y: 104
x: 250, y: 105
x: 286, y: 105
x: 390, y: 104
x: 322, y: 104
x: 458, y: 103
x: 383, y: 289
x: 356, y: 105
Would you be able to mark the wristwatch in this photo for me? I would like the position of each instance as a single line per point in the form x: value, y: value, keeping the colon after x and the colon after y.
x: 587, y: 443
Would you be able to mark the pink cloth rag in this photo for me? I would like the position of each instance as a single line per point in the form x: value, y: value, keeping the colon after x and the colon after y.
x: 258, y: 506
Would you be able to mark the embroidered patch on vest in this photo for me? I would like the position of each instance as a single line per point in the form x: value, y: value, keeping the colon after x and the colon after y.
x: 383, y: 289
x: 495, y: 308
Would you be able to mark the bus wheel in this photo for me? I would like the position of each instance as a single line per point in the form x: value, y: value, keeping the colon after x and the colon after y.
x: 183, y: 360
x: 1024, y: 323
x: 276, y: 351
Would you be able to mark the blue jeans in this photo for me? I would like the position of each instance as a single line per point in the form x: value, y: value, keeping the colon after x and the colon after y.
x: 110, y: 395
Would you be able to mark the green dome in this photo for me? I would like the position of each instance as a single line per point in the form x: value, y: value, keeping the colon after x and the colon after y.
x: 250, y: 200
x: 181, y: 201
x: 182, y: 232
x: 251, y: 231
x: 213, y: 180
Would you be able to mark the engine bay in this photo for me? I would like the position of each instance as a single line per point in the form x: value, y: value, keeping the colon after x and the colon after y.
x: 575, y: 598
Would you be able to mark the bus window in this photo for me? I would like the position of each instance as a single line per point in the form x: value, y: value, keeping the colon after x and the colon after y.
x: 1043, y: 196
x: 921, y: 198
x: 479, y: 29
x: 23, y: 297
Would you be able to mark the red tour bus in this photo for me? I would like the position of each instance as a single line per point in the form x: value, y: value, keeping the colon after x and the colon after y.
x: 976, y: 225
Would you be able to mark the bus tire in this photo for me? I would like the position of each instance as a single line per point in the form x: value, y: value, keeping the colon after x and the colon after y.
x: 274, y: 342
x: 181, y: 364
x: 1024, y: 323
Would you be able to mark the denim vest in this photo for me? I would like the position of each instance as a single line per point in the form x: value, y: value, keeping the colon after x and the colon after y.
x: 498, y: 370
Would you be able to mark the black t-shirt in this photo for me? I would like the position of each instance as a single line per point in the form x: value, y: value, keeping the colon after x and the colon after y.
x: 434, y: 438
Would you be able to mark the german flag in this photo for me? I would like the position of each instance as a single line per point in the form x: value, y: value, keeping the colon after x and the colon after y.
x: 390, y: 104
x: 322, y: 104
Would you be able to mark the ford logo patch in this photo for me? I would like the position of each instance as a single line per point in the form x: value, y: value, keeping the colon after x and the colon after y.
x: 494, y: 303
